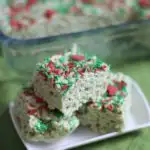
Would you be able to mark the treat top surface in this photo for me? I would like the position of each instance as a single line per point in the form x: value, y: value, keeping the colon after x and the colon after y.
x: 64, y: 70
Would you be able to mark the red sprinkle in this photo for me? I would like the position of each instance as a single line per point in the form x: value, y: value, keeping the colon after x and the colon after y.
x: 110, y: 107
x: 49, y: 13
x: 112, y: 90
x: 51, y: 65
x: 57, y: 71
x: 121, y: 85
x: 16, y: 9
x: 13, y: 23
x: 66, y: 73
x: 39, y: 100
x: 32, y: 111
x: 81, y: 71
x: 19, y: 25
x: 65, y: 87
x: 104, y: 67
x: 144, y: 3
x: 75, y: 9
x: 123, y: 94
x: 77, y: 57
x: 16, y: 24
x: 97, y: 70
x: 27, y: 7
x: 31, y: 2
x: 70, y: 65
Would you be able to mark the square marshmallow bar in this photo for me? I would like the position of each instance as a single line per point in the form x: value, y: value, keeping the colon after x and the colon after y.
x: 109, y: 113
x: 37, y: 122
x: 66, y: 81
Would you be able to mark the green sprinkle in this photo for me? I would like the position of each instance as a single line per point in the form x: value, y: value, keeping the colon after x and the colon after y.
x: 74, y: 122
x: 57, y: 77
x: 50, y: 76
x: 47, y: 60
x: 82, y: 64
x: 115, y: 109
x: 64, y: 93
x: 66, y: 68
x: 77, y: 64
x: 124, y: 89
x: 62, y: 59
x: 46, y: 69
x: 105, y: 95
x: 57, y: 65
x: 99, y: 99
x: 98, y: 63
x: 70, y: 82
x: 65, y: 51
x: 65, y: 81
x: 99, y: 104
x: 42, y: 66
x: 58, y: 85
x: 76, y: 76
x: 120, y: 99
x: 41, y: 127
x: 58, y: 114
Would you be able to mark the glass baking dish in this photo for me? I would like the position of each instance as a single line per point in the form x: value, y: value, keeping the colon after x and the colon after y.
x: 114, y: 44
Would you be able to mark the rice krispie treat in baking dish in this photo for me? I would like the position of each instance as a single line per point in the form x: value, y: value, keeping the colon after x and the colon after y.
x: 37, y: 122
x: 66, y: 81
x: 109, y: 112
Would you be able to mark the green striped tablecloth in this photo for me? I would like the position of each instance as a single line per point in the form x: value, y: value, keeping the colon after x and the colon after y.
x: 9, y: 85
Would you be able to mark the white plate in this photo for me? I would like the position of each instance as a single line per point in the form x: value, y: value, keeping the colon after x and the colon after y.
x: 139, y: 118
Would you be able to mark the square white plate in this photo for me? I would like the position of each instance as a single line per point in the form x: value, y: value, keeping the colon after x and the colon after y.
x: 139, y: 118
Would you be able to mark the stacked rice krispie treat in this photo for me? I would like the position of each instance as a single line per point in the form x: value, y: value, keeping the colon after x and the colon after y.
x: 109, y: 112
x: 38, y: 122
x: 72, y: 88
x: 68, y: 81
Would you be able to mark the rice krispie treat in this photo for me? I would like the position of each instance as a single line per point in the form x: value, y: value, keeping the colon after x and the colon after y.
x: 109, y: 112
x: 55, y: 17
x: 68, y: 80
x: 37, y: 122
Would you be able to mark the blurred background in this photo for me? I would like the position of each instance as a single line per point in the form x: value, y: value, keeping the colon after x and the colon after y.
x: 122, y: 41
